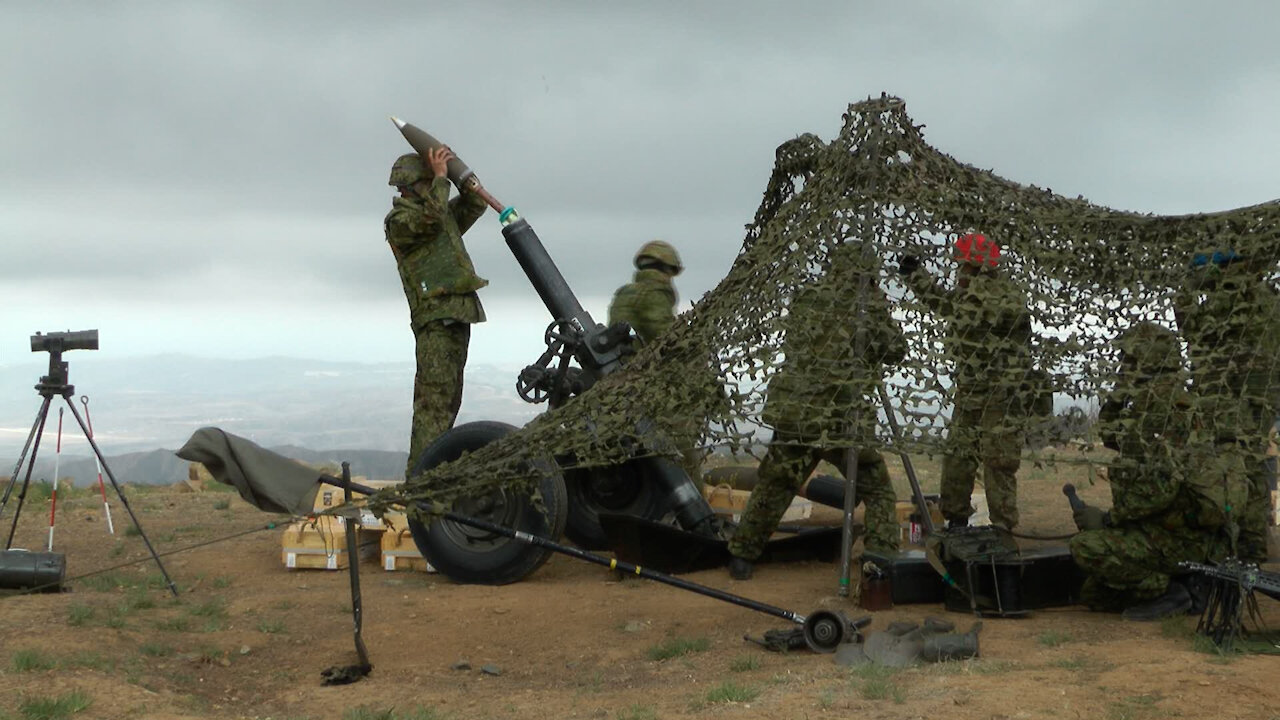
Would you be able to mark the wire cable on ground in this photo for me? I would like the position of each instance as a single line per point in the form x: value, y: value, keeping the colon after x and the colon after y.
x: 268, y: 526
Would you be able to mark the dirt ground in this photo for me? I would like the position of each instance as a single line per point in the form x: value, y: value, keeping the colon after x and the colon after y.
x: 248, y: 638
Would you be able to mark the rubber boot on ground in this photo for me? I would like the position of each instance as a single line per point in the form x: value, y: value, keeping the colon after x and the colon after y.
x: 1175, y: 601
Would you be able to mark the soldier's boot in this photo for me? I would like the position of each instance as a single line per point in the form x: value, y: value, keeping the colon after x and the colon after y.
x: 1198, y: 587
x: 1175, y: 601
x: 951, y: 646
x: 1252, y: 550
x: 740, y: 568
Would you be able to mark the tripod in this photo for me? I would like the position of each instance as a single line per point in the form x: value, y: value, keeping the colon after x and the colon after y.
x: 55, y: 384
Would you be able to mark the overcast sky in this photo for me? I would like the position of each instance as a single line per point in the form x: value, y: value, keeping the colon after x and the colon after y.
x: 210, y: 178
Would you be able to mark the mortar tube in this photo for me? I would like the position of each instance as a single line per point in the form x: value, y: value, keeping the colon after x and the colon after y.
x: 545, y: 277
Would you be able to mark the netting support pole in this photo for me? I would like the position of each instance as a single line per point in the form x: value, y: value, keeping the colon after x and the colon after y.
x: 846, y: 534
x: 864, y: 268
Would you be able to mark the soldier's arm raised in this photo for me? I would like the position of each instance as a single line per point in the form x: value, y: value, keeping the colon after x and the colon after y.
x: 928, y: 290
x: 436, y: 200
x: 467, y: 208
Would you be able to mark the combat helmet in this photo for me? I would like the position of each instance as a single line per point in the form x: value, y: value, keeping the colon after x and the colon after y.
x: 659, y: 251
x: 407, y: 170
x: 1151, y: 348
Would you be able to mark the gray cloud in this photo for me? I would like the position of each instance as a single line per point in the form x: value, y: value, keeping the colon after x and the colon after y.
x: 242, y: 148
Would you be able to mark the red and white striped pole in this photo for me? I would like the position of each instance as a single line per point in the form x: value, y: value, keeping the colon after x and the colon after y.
x: 57, y: 459
x: 102, y: 490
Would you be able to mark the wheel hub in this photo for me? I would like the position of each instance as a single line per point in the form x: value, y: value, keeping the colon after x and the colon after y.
x: 494, y: 507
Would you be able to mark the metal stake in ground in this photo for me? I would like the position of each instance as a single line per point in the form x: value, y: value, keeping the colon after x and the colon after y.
x: 53, y: 499
x: 344, y: 674
x: 102, y: 488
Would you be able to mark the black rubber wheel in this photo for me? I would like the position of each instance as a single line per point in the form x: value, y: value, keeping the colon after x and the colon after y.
x: 824, y: 630
x: 469, y: 555
x: 631, y: 488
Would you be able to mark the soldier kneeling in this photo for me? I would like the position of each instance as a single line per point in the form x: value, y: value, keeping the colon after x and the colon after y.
x: 1169, y: 501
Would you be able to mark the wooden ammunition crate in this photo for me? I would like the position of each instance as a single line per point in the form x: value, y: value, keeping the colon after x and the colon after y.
x: 322, y: 544
x: 399, y: 552
x: 724, y: 500
x: 330, y: 497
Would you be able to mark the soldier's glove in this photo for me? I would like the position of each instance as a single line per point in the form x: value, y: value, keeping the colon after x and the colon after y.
x: 908, y: 264
x: 1092, y: 518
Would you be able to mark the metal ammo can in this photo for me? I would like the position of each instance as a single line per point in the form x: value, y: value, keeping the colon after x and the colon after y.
x: 23, y: 569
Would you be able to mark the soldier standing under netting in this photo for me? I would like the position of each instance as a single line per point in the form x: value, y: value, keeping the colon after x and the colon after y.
x: 989, y: 341
x: 424, y: 229
x: 1167, y: 501
x: 648, y: 305
x: 824, y: 383
x: 1229, y: 313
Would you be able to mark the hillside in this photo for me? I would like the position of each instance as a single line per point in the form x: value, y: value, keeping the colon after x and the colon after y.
x: 162, y: 467
x: 140, y: 404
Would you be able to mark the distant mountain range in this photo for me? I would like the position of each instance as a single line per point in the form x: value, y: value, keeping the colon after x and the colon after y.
x: 162, y: 467
x: 288, y: 404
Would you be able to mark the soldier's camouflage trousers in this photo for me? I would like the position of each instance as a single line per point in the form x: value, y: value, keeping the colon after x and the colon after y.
x: 437, y: 386
x: 982, y: 436
x: 1128, y: 565
x: 785, y: 468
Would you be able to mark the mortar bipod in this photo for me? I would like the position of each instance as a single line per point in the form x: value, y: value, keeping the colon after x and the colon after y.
x: 824, y: 630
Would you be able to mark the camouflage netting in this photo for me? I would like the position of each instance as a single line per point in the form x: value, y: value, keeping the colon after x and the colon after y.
x: 824, y: 254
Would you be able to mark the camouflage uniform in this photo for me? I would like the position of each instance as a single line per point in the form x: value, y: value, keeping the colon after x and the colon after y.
x: 1230, y: 315
x: 1167, y: 485
x: 648, y: 305
x: 825, y: 384
x: 989, y: 340
x: 440, y: 283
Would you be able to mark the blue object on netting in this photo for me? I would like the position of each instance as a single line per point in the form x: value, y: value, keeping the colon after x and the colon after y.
x: 1222, y: 258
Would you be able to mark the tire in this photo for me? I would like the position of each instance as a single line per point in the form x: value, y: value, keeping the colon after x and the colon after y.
x: 469, y: 555
x: 629, y: 489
